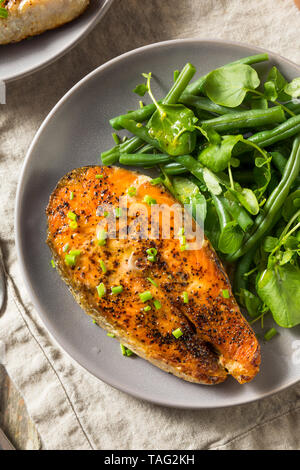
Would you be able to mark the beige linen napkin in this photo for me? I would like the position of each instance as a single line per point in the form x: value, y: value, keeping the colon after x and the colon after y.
x: 72, y: 409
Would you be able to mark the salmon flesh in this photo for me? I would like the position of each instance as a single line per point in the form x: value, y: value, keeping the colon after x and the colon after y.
x: 191, y: 329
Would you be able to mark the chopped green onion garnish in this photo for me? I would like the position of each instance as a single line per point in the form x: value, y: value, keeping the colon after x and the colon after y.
x: 145, y: 296
x: 183, y: 240
x: 131, y: 191
x: 72, y: 216
x: 125, y: 351
x: 129, y: 352
x: 3, y: 13
x: 94, y: 321
x: 106, y: 214
x: 117, y: 290
x: 225, y: 293
x: 111, y: 335
x: 66, y: 247
x: 102, y: 236
x: 156, y: 181
x: 103, y: 267
x: 70, y: 260
x: 185, y: 297
x: 151, y: 252
x: 53, y: 263
x: 73, y: 225
x: 183, y: 247
x: 149, y: 200
x: 152, y: 282
x: 99, y: 177
x: 118, y: 212
x: 270, y: 334
x: 177, y: 333
x: 75, y: 253
x: 72, y: 195
x: 116, y: 138
x: 181, y: 232
x: 101, y: 289
x: 147, y: 309
x: 157, y: 304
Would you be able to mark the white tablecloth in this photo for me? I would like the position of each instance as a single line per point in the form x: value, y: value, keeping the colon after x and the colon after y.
x: 72, y: 409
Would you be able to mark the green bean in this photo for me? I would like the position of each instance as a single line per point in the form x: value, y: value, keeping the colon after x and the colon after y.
x: 112, y: 156
x: 174, y: 169
x: 202, y: 103
x: 242, y: 268
x: 279, y: 161
x: 192, y: 165
x: 293, y: 106
x: 180, y: 85
x: 172, y: 97
x: 273, y: 205
x: 248, y: 119
x: 139, y: 131
x: 238, y: 213
x: 144, y: 160
x: 140, y: 115
x: 284, y: 131
x: 146, y: 149
x: 223, y: 214
x: 197, y: 87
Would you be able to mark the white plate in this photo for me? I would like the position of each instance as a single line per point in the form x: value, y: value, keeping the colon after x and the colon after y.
x: 25, y: 57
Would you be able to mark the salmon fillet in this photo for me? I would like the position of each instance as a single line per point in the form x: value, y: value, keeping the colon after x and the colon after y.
x: 31, y: 17
x: 215, y: 340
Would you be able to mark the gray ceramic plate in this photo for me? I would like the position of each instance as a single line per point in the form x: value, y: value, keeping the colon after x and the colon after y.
x: 25, y: 57
x: 72, y: 136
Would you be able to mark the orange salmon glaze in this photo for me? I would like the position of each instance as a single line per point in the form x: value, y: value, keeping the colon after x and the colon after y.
x: 215, y: 340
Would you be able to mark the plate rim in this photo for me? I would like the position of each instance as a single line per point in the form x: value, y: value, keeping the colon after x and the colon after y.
x: 71, y: 352
x: 41, y: 66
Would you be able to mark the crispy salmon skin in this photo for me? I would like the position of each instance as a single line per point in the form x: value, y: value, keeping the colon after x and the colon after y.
x: 190, y: 330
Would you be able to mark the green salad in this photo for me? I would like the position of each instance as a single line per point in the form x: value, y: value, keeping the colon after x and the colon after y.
x: 229, y: 143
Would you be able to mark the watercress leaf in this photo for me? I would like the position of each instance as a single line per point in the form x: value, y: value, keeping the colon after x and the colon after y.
x: 279, y: 289
x: 212, y: 182
x: 286, y: 257
x: 189, y: 193
x: 258, y: 102
x: 270, y: 91
x: 173, y: 127
x: 217, y: 156
x: 262, y: 177
x: 293, y: 88
x: 247, y: 199
x: 228, y: 86
x: 251, y: 302
x: 274, y: 86
x: 231, y: 238
x: 292, y: 243
x: 270, y: 243
x: 141, y: 90
x: 210, y: 134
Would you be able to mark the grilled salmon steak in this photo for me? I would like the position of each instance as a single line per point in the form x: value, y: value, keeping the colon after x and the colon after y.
x: 161, y: 300
x: 31, y: 17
